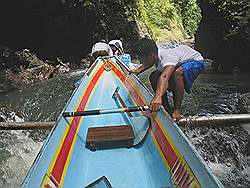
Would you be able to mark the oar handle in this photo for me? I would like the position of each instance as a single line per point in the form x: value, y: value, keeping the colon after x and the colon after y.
x: 105, y: 111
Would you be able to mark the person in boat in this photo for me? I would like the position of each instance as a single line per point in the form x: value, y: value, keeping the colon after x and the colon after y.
x: 100, y: 49
x: 118, y: 50
x: 116, y: 46
x: 177, y: 68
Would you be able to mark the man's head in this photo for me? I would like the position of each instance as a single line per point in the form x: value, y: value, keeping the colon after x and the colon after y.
x: 100, y: 53
x: 147, y: 51
x: 101, y: 49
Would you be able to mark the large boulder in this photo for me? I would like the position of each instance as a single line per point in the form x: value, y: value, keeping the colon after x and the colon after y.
x: 10, y: 60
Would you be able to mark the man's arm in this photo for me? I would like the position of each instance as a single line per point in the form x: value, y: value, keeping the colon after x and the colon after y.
x: 162, y: 86
x: 140, y: 69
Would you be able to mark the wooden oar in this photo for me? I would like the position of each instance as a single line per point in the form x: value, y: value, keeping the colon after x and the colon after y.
x: 139, y: 124
x: 199, y: 121
x: 105, y: 111
x: 49, y: 125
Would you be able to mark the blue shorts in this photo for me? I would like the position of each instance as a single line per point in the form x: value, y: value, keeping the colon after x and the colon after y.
x: 191, y: 69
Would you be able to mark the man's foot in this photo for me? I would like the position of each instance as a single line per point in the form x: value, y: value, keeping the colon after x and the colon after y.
x: 177, y: 115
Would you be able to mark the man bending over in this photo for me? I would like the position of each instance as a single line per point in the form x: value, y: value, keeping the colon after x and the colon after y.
x: 177, y: 68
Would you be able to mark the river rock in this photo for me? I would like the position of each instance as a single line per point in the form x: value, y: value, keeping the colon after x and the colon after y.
x: 24, y: 67
x: 11, y: 60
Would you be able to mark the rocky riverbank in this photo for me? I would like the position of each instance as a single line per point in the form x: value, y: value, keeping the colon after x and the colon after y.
x: 22, y: 68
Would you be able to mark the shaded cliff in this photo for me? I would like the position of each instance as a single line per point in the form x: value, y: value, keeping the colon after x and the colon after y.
x: 68, y: 28
x: 62, y: 28
x: 223, y: 34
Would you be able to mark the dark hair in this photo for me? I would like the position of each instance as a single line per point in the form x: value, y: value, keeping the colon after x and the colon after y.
x: 145, y: 46
x: 116, y: 47
x: 113, y: 48
x: 100, y: 53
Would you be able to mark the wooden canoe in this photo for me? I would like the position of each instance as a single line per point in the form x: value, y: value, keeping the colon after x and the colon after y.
x: 165, y: 158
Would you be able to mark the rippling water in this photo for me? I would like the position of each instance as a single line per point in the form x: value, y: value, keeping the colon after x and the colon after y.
x: 223, y: 148
x: 41, y: 102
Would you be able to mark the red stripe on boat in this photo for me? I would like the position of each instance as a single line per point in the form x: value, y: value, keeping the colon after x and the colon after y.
x: 67, y: 143
x: 164, y: 144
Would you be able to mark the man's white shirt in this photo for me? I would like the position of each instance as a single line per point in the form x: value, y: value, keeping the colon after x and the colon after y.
x: 176, y: 56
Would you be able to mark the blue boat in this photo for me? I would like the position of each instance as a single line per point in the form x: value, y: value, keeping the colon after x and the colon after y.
x: 163, y: 158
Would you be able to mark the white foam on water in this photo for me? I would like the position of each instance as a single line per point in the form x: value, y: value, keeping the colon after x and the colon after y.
x: 229, y: 175
x: 78, y: 72
x: 21, y: 151
x: 247, y: 170
x: 220, y: 170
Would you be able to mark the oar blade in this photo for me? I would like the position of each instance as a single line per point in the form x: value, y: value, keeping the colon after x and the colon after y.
x: 140, y: 125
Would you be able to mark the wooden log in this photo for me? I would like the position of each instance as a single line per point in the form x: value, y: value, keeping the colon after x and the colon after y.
x: 215, y: 120
x: 26, y: 125
x: 192, y: 121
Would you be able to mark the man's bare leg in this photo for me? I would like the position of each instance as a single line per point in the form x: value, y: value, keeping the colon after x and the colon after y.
x: 153, y: 80
x: 178, y: 94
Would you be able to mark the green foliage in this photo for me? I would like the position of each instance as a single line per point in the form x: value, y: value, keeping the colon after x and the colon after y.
x: 236, y: 15
x: 190, y: 14
x: 164, y: 18
x: 159, y: 15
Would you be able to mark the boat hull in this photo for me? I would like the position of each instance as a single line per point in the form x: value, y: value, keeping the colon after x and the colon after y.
x: 165, y: 158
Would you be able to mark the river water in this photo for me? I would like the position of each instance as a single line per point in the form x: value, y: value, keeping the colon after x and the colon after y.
x: 224, y: 149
